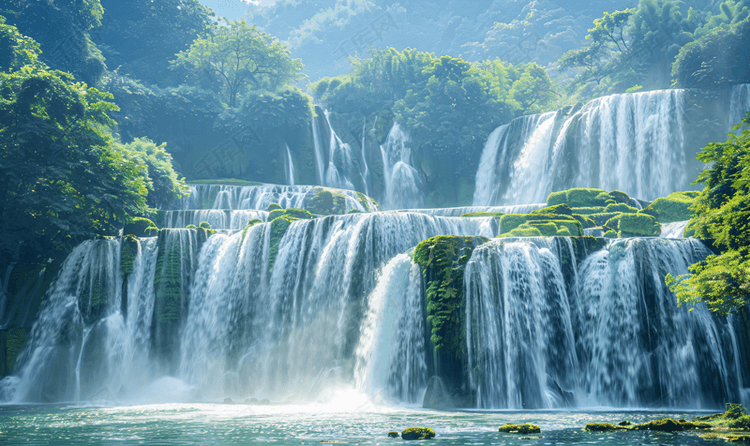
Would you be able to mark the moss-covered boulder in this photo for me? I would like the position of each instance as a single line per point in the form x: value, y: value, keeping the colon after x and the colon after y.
x: 579, y: 197
x: 674, y: 207
x: 588, y: 210
x: 559, y: 209
x: 393, y: 434
x: 273, y: 207
x: 621, y: 208
x: 520, y: 429
x: 663, y: 425
x: 204, y: 225
x: 483, y: 214
x: 300, y: 214
x: 443, y: 260
x: 523, y: 231
x: 274, y: 214
x: 634, y: 225
x: 603, y: 427
x: 417, y: 433
x: 140, y: 227
x: 512, y: 221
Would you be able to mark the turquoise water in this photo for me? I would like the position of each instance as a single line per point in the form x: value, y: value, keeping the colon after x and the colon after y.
x: 236, y: 424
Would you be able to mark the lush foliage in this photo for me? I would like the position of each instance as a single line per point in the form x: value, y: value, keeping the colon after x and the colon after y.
x: 238, y: 57
x: 162, y: 182
x: 722, y: 215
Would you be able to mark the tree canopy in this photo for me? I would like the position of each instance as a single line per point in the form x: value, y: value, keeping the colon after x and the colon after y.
x: 238, y: 57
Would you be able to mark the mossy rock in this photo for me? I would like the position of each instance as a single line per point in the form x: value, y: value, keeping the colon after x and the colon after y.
x: 279, y: 226
x: 588, y: 210
x: 579, y: 197
x: 520, y: 429
x: 635, y: 225
x: 523, y: 231
x: 663, y: 425
x: 512, y: 221
x: 620, y: 207
x: 443, y: 260
x: 417, y: 433
x: 559, y: 209
x: 276, y: 213
x: 585, y: 222
x: 191, y: 226
x: 249, y: 225
x: 672, y: 208
x: 547, y: 228
x: 140, y: 227
x: 204, y: 225
x: 393, y: 434
x: 301, y: 214
x: 354, y: 211
x: 601, y: 219
x: 621, y: 197
x: 326, y: 202
x: 273, y: 207
x: 734, y: 411
x: 603, y: 427
x: 226, y: 182
x: 564, y: 232
x: 610, y: 234
x: 128, y: 252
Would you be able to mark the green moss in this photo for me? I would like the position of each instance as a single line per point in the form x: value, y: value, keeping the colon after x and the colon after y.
x: 610, y: 234
x: 585, y: 222
x: 301, y: 214
x: 249, y: 225
x: 635, y: 225
x: 620, y: 197
x: 139, y: 227
x: 548, y: 229
x: 273, y: 215
x: 512, y: 221
x: 191, y: 226
x: 443, y: 260
x: 354, y: 211
x: 393, y: 434
x: 564, y: 232
x: 558, y: 209
x: 417, y: 433
x: 365, y: 202
x: 620, y: 207
x: 603, y: 218
x: 273, y: 207
x: 279, y: 227
x: 523, y: 231
x: 579, y: 197
x: 734, y: 411
x: 742, y: 422
x: 15, y: 342
x: 588, y: 210
x: 322, y: 202
x: 663, y: 425
x: 127, y: 255
x: 520, y: 429
x: 205, y: 225
x: 674, y: 207
x: 603, y: 427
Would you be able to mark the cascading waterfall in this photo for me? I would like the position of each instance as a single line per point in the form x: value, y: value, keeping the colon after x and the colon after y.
x: 673, y: 230
x: 337, y: 164
x: 403, y: 183
x: 739, y: 104
x: 231, y: 207
x: 546, y: 329
x: 391, y: 354
x: 289, y: 167
x: 628, y: 142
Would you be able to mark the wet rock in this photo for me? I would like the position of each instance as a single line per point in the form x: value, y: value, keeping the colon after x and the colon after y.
x: 417, y: 433
x: 393, y: 434
x: 520, y: 429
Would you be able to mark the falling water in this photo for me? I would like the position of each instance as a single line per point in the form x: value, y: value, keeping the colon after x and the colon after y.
x: 403, y: 184
x: 218, y: 219
x: 673, y: 230
x: 628, y: 142
x: 546, y: 329
x: 289, y: 167
x: 391, y: 354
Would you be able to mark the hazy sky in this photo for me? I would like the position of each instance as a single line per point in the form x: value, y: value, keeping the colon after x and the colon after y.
x: 232, y: 9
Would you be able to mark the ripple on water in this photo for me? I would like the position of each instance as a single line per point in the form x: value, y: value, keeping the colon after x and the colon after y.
x: 220, y: 424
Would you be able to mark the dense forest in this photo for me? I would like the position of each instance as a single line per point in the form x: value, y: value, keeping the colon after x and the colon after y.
x: 108, y: 109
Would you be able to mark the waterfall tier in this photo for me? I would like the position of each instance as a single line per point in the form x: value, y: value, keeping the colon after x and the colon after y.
x: 628, y: 142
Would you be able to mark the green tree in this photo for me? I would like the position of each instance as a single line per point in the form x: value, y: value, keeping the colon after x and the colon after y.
x: 241, y: 57
x: 62, y: 179
x: 722, y: 215
x: 162, y: 182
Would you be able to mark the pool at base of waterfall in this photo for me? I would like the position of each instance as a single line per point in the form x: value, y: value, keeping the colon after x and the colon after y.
x: 354, y: 422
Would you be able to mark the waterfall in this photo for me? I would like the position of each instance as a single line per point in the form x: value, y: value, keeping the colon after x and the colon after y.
x: 628, y: 142
x: 459, y: 211
x: 289, y: 167
x: 403, y: 183
x: 391, y: 354
x: 218, y: 219
x: 110, y: 321
x: 545, y: 329
x: 674, y: 230
x: 739, y: 104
